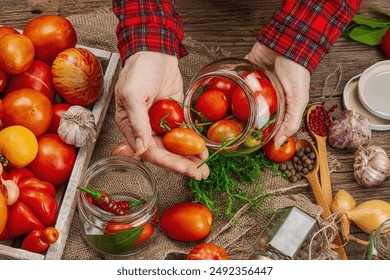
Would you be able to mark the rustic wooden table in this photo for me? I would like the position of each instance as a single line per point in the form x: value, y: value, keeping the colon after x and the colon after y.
x: 233, y: 25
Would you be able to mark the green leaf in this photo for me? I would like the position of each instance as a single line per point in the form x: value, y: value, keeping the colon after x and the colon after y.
x: 345, y: 33
x: 367, y: 35
x: 374, y: 23
x: 115, y: 243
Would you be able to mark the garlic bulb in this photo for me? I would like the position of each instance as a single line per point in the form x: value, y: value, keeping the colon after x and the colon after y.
x: 371, y: 166
x: 350, y: 130
x: 77, y: 126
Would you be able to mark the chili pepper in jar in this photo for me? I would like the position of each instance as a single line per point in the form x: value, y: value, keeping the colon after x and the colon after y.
x: 104, y: 201
x: 39, y: 240
x: 147, y: 230
x: 124, y: 204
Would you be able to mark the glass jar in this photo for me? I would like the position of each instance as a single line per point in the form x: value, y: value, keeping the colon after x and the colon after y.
x: 255, y: 100
x: 123, y: 179
x: 379, y: 245
x: 289, y: 234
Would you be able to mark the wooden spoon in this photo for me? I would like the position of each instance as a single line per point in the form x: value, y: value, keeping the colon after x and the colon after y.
x: 323, y: 160
x: 312, y: 177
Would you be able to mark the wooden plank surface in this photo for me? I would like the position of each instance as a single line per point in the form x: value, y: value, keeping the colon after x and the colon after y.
x: 233, y: 25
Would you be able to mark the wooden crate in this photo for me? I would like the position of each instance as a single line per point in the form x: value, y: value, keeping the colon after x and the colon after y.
x: 66, y: 196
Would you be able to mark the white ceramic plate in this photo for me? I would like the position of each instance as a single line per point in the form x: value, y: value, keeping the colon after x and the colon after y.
x: 374, y: 89
x: 351, y: 102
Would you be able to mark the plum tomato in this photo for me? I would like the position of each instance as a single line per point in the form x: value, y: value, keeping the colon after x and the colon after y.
x: 58, y: 109
x: 281, y: 154
x: 385, y: 43
x: 29, y: 108
x: 207, y: 251
x: 223, y: 130
x: 54, y: 161
x: 37, y: 77
x: 212, y: 104
x: 3, y: 80
x: 50, y: 35
x: 186, y: 221
x: 184, y: 141
x: 16, y: 53
x: 240, y: 104
x: 4, y: 30
x: 223, y: 84
x: 164, y: 115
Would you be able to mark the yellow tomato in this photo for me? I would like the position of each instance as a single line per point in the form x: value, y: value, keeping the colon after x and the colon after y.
x: 3, y: 210
x: 18, y: 145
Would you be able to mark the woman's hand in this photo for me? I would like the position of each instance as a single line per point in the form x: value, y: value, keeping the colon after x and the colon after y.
x: 146, y: 78
x: 295, y: 80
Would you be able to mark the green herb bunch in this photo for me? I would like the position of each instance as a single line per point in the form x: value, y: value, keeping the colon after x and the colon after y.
x: 225, y: 189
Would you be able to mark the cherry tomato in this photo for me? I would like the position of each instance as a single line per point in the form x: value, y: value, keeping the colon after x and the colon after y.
x: 223, y: 84
x: 29, y: 108
x: 4, y: 30
x: 183, y: 141
x: 385, y: 43
x: 57, y: 109
x: 223, y: 130
x: 18, y: 144
x: 164, y: 115
x: 267, y: 90
x: 207, y: 251
x: 240, y: 104
x: 212, y: 104
x: 281, y: 154
x: 54, y: 161
x: 37, y: 77
x: 3, y: 208
x: 3, y: 80
x: 16, y: 53
x: 186, y: 221
x: 50, y: 35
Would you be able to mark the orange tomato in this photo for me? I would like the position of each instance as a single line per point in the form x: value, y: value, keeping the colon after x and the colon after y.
x: 4, y: 30
x: 183, y: 141
x: 187, y: 221
x: 29, y: 108
x: 16, y: 53
x: 207, y: 251
x: 3, y: 209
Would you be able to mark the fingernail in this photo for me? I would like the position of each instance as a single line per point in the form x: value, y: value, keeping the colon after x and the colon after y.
x: 139, y: 146
x: 279, y: 142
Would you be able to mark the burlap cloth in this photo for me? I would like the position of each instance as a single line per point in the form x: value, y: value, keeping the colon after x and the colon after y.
x: 236, y: 234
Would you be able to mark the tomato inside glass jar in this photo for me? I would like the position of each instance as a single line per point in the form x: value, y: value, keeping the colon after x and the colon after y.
x: 237, y: 91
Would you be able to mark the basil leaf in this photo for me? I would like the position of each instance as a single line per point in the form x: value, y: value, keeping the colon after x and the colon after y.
x: 374, y: 23
x: 345, y: 33
x: 115, y: 243
x: 367, y: 35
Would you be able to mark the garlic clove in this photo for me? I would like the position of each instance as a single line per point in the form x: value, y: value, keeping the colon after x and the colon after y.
x: 77, y: 126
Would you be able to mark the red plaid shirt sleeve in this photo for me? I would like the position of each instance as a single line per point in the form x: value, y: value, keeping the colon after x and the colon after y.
x: 305, y: 30
x: 148, y: 25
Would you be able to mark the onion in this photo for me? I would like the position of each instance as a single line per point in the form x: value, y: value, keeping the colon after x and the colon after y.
x: 78, y: 76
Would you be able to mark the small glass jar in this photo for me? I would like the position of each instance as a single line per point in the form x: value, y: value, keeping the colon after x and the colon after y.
x: 255, y: 102
x: 123, y: 179
x: 379, y: 245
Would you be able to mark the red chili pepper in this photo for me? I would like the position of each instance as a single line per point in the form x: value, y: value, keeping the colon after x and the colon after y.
x: 39, y: 240
x: 146, y: 233
x: 105, y: 202
x: 124, y: 204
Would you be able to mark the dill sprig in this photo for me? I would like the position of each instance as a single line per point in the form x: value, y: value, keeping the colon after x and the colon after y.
x: 224, y: 192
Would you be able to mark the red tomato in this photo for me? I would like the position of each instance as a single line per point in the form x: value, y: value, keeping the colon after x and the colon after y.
x: 183, y: 141
x: 385, y: 43
x: 212, y: 104
x: 281, y: 154
x: 207, y: 251
x: 37, y: 77
x: 186, y: 221
x: 223, y: 84
x: 164, y: 115
x: 78, y: 76
x: 4, y: 30
x: 267, y: 90
x: 3, y: 80
x: 223, y: 130
x: 16, y: 53
x: 50, y: 35
x: 240, y: 105
x: 54, y: 161
x: 58, y: 109
x: 29, y: 108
